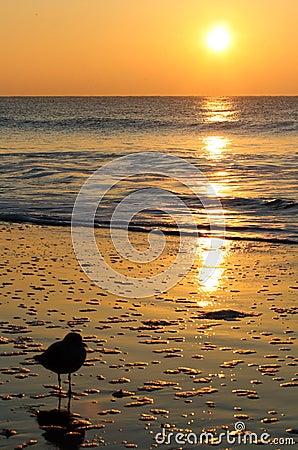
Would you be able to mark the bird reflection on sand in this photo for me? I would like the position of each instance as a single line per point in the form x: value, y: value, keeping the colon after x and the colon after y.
x: 62, y: 428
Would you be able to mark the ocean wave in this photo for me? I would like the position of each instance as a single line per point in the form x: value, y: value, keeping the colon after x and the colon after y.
x: 259, y: 203
x: 249, y: 203
x: 120, y: 124
x: 86, y: 123
x: 245, y: 233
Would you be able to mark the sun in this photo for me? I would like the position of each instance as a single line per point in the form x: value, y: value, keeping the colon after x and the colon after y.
x: 218, y: 39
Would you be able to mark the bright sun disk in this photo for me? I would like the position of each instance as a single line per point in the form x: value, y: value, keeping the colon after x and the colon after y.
x: 218, y: 38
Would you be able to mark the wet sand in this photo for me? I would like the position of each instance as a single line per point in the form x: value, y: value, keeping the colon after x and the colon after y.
x: 182, y: 369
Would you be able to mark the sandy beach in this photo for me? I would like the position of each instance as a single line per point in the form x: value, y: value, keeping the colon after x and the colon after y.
x: 184, y: 369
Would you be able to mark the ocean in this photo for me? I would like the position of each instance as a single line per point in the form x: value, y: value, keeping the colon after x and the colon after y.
x: 245, y: 146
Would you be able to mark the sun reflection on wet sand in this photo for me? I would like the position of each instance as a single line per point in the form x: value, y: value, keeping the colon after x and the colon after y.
x: 210, y: 282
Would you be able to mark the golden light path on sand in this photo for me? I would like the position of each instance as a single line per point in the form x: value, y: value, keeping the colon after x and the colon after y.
x: 211, y: 283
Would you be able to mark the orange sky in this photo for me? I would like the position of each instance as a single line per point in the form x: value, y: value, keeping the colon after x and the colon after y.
x: 147, y: 47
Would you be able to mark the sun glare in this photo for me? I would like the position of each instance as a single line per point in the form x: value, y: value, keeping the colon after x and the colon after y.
x: 218, y: 39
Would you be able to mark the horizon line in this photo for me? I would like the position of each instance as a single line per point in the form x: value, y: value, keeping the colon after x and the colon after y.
x: 144, y: 95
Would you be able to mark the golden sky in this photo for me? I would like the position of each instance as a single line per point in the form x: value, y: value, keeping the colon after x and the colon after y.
x: 147, y: 47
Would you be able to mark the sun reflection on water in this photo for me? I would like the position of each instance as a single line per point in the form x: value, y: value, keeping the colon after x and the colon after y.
x: 215, y: 146
x: 220, y: 110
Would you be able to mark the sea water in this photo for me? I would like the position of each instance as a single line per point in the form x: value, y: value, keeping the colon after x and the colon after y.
x: 246, y: 146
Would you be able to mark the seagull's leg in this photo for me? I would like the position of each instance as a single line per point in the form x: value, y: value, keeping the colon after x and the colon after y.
x: 69, y: 392
x: 68, y: 403
x: 59, y: 383
x: 69, y: 384
x: 59, y: 399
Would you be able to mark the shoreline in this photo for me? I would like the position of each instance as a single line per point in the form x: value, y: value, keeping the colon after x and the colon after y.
x: 167, y: 232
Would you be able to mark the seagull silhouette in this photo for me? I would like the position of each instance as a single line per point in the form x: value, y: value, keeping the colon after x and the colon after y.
x: 65, y: 356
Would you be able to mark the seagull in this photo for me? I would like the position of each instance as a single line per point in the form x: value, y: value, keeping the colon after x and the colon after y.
x: 65, y: 356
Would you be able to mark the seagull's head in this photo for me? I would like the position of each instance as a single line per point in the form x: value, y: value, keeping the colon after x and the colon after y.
x: 74, y: 339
